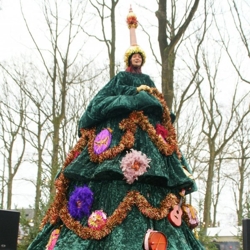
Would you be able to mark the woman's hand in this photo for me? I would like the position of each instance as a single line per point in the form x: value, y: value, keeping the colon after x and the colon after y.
x: 143, y: 87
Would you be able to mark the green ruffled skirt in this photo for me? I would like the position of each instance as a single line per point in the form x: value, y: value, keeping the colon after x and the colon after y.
x: 131, y: 217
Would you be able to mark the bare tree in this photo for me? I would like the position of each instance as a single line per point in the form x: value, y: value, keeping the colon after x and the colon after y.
x: 59, y: 69
x: 219, y: 183
x: 240, y: 176
x: 169, y: 35
x: 219, y: 129
x: 12, y: 113
x: 107, y: 12
x: 192, y: 143
x: 35, y: 125
x: 241, y: 22
x: 190, y: 139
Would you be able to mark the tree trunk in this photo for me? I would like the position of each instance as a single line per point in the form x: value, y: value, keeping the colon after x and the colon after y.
x: 167, y: 77
x: 167, y: 45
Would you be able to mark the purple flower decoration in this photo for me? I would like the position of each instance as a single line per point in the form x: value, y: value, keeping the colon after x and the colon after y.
x: 80, y: 202
x: 134, y: 164
x: 102, y: 141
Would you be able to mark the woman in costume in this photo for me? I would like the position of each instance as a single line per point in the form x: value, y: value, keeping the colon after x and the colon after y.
x: 123, y: 185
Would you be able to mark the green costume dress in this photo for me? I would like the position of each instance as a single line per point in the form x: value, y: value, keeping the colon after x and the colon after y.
x: 132, y: 206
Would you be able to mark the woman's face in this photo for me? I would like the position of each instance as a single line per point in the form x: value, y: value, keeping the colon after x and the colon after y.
x: 136, y: 60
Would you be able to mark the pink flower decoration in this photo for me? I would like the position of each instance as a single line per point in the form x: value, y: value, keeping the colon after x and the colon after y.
x: 97, y: 219
x: 134, y: 164
x: 161, y: 130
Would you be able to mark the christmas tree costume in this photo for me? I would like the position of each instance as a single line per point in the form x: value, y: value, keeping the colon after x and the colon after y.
x: 123, y: 178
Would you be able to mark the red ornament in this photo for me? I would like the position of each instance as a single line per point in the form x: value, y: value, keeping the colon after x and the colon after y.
x: 155, y: 240
x: 76, y: 154
x: 161, y: 130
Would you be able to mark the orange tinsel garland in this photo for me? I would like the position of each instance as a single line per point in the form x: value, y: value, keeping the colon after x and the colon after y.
x: 136, y: 118
x: 129, y: 125
x: 132, y: 198
x: 61, y: 184
x: 166, y: 119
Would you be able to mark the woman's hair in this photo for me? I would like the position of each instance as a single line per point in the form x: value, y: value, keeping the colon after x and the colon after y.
x: 133, y: 69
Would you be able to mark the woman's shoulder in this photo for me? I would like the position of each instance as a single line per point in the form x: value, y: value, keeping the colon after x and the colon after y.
x: 122, y: 73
